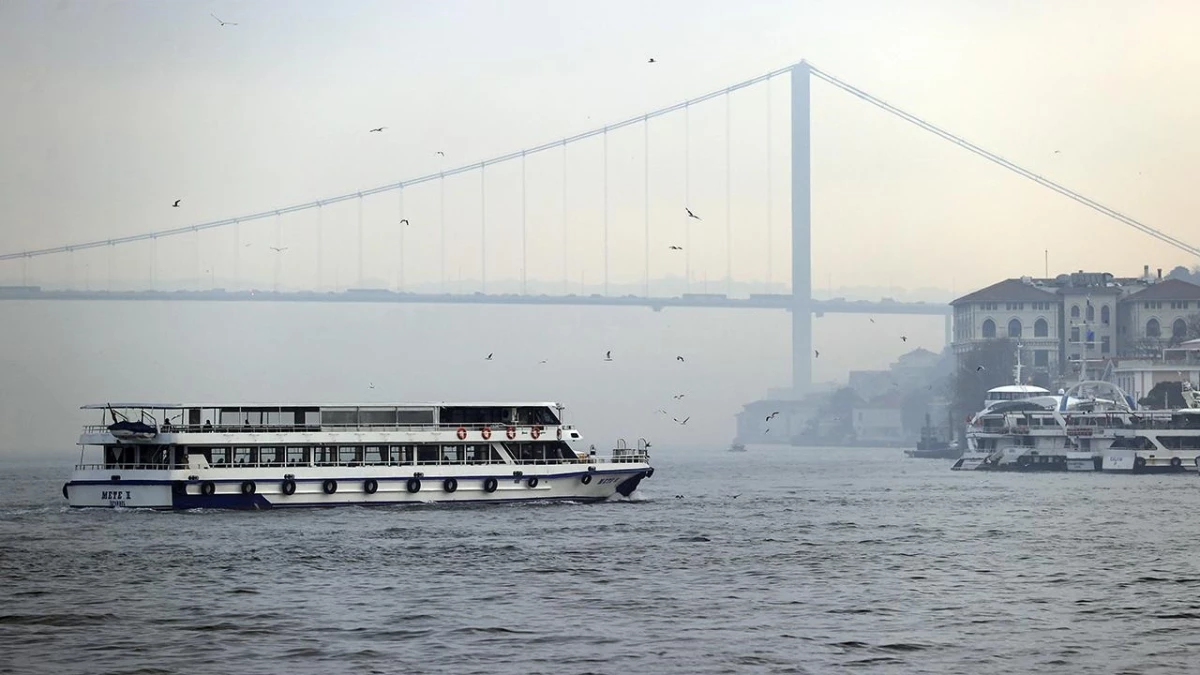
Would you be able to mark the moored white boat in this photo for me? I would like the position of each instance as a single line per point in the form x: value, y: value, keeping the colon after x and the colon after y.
x: 265, y: 456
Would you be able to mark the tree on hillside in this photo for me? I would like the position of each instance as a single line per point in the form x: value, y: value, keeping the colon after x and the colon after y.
x: 1164, y: 396
x: 986, y: 365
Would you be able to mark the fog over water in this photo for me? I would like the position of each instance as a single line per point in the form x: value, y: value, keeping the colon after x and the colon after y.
x: 61, y: 355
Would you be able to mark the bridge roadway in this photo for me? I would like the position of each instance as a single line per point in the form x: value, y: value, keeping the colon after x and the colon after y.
x: 754, y: 301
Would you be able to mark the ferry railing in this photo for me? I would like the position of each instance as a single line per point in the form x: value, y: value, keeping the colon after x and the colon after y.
x: 496, y: 429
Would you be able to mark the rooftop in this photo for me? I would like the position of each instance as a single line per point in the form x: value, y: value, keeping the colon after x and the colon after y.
x: 1009, y: 290
x: 1167, y: 289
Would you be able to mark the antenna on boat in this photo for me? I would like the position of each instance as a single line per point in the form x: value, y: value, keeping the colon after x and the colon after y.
x: 1017, y: 368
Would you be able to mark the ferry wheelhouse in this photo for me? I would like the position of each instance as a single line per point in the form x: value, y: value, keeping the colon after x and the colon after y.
x: 171, y: 456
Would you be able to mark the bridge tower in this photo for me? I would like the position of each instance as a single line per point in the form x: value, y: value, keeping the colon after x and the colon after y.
x: 802, y: 318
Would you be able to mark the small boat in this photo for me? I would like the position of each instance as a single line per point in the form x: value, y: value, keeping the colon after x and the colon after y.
x: 737, y: 447
x: 137, y: 431
x: 931, y: 447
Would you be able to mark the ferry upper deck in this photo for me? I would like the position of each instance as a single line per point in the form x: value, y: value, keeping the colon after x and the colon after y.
x: 314, y: 417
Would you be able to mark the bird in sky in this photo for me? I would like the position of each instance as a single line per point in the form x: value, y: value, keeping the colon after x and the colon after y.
x: 176, y: 204
x: 652, y: 60
x: 223, y: 23
x: 404, y: 221
x: 980, y: 369
x: 376, y: 129
x: 676, y: 248
x: 872, y: 320
x: 1057, y: 151
x: 542, y: 361
x: 678, y: 396
x: 683, y: 421
x: 489, y: 357
x: 660, y: 411
x: 767, y: 430
x: 279, y: 249
x: 679, y: 359
x: 441, y: 153
x: 772, y: 416
x: 608, y: 355
x: 816, y: 353
x: 247, y: 245
x: 735, y: 496
x: 690, y: 214
x: 370, y: 385
x: 904, y: 338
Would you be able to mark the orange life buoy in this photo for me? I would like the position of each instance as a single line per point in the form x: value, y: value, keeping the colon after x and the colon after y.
x: 560, y: 433
x: 486, y: 433
x: 511, y: 432
x: 462, y: 434
x: 535, y: 432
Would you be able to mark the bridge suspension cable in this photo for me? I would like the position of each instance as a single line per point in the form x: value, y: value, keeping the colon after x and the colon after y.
x: 1041, y: 180
x: 440, y: 175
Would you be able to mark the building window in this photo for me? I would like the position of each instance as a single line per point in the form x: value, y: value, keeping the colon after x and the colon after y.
x: 1179, y: 304
x: 1179, y: 329
x: 1152, y: 304
x: 1041, y: 328
x: 1152, y: 329
x: 1041, y: 358
x: 1014, y: 328
x: 989, y: 329
x: 1104, y: 315
x: 1104, y: 344
x: 1074, y: 333
x: 1074, y: 311
x: 1090, y: 314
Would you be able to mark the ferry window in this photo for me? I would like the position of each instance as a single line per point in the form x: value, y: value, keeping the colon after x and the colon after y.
x: 296, y: 456
x: 375, y: 455
x: 452, y: 454
x: 312, y: 418
x: 219, y: 456
x: 271, y: 456
x: 427, y: 454
x: 243, y: 456
x: 349, y: 454
x: 323, y: 454
x: 377, y: 417
x: 414, y: 417
x: 339, y: 417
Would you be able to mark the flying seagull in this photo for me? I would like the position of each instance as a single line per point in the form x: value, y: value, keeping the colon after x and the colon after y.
x: 904, y: 338
x: 816, y: 353
x: 660, y: 411
x: 370, y: 385
x: 489, y: 357
x: 677, y: 396
x: 652, y: 61
x: 404, y: 221
x: 278, y: 249
x: 679, y: 359
x: 608, y: 355
x: 176, y: 204
x: 676, y: 248
x: 682, y: 422
x: 872, y: 320
x: 690, y: 214
x: 376, y: 129
x: 223, y: 23
x: 441, y: 153
x: 772, y: 416
x: 542, y: 361
x: 980, y: 369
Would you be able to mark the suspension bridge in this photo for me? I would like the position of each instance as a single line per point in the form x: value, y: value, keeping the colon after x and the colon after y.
x: 583, y: 237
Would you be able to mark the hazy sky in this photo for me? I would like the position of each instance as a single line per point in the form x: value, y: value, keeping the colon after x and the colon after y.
x: 115, y: 109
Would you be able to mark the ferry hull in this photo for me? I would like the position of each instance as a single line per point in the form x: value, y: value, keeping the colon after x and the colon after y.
x: 182, y: 490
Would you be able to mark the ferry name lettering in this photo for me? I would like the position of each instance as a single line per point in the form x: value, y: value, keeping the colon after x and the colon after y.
x: 114, y: 494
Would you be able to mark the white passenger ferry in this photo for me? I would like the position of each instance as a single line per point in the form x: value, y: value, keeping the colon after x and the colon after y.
x: 264, y: 456
x: 1093, y: 426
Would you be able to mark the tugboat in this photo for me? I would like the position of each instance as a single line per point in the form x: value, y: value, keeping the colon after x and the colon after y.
x: 931, y: 447
x: 737, y: 447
